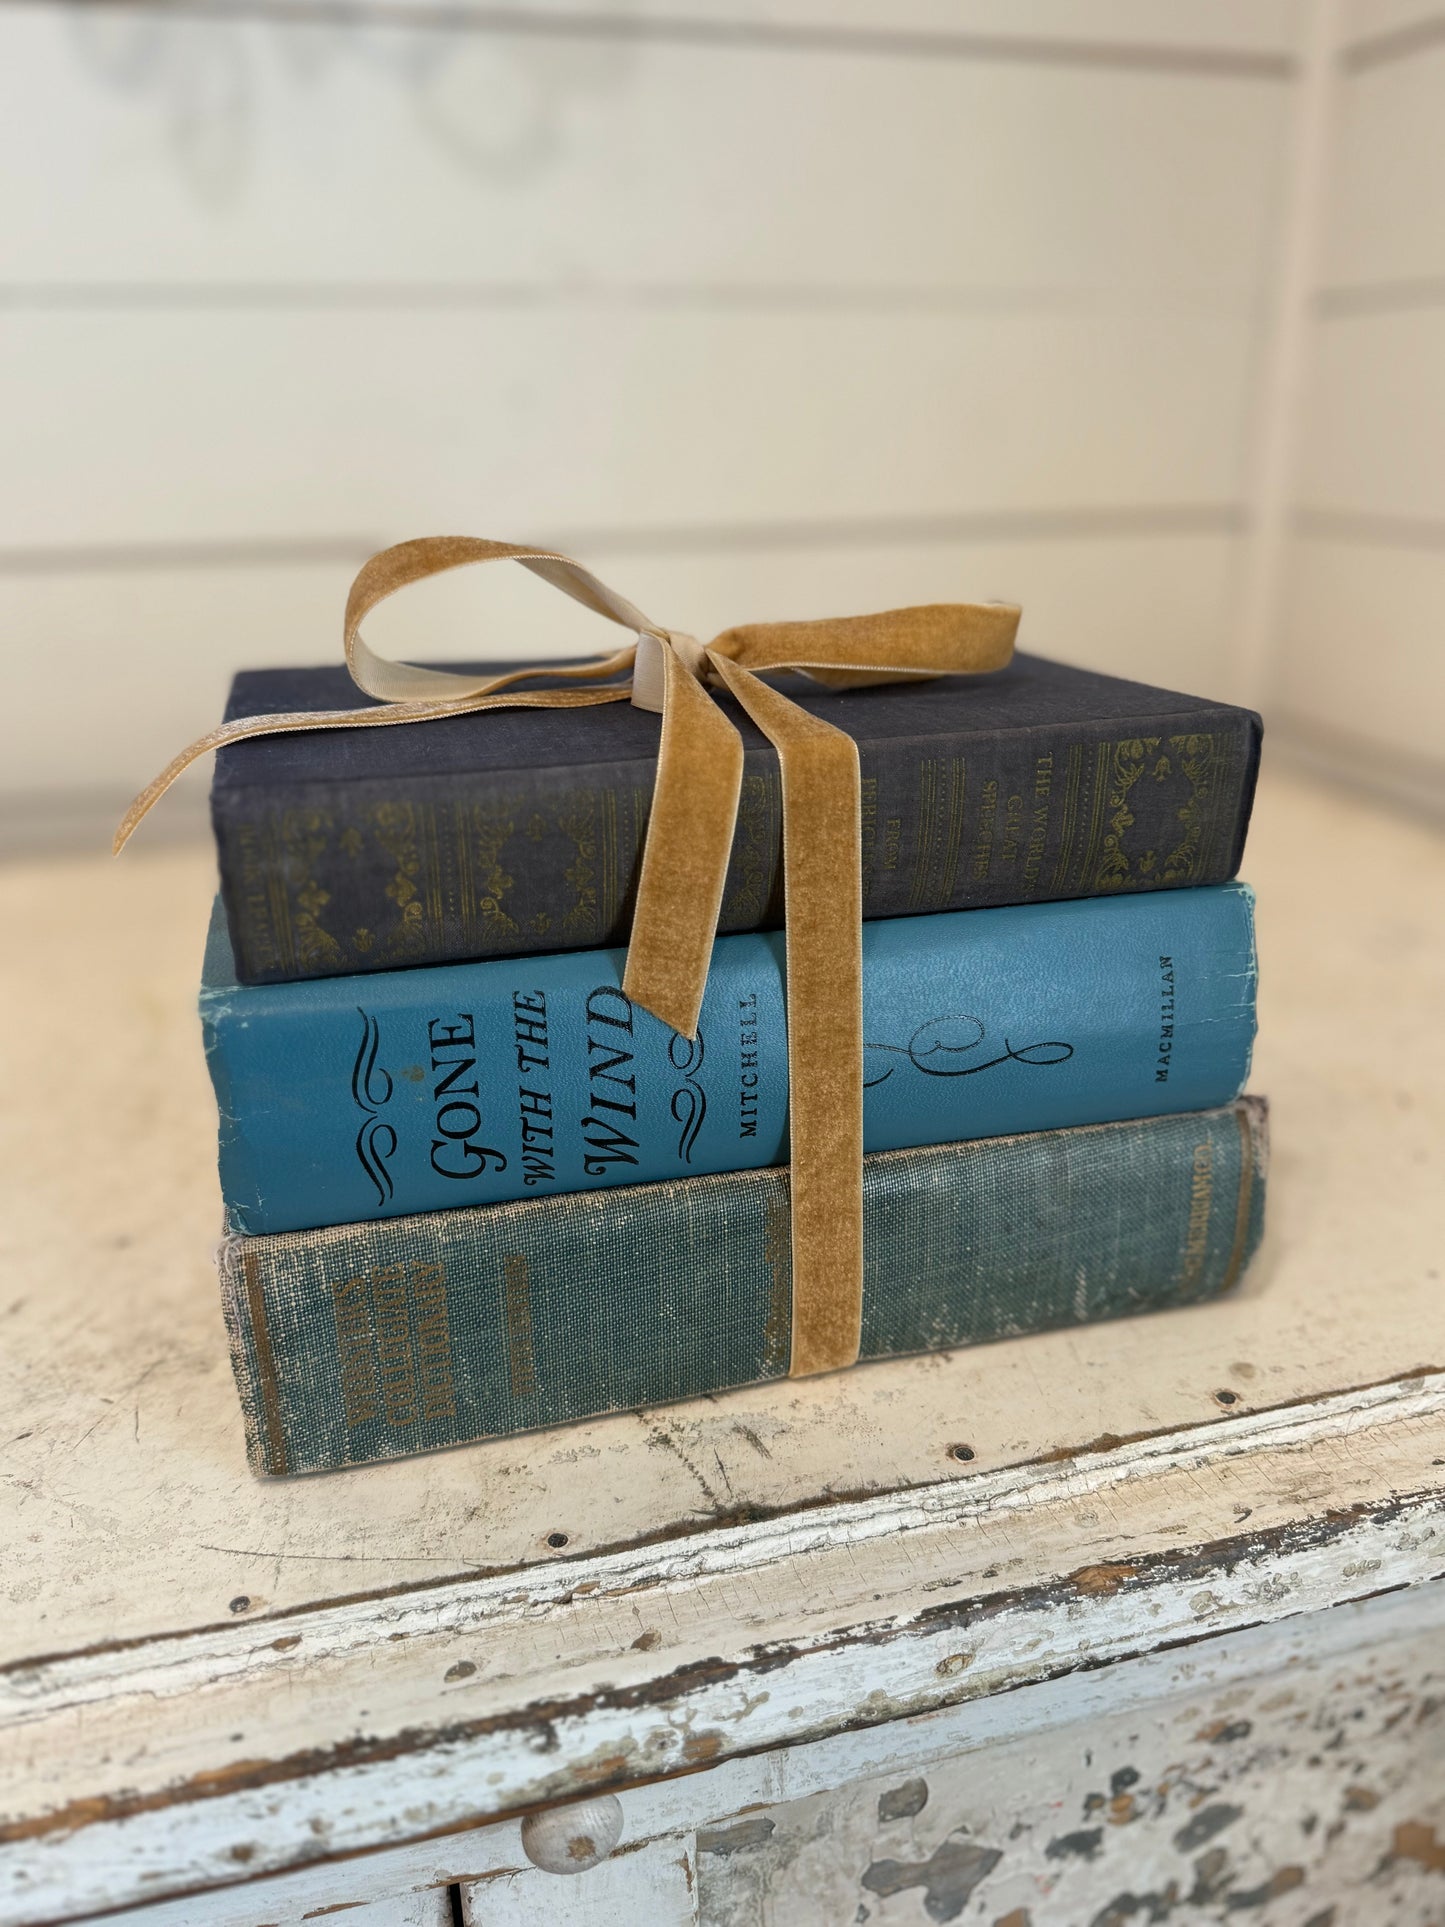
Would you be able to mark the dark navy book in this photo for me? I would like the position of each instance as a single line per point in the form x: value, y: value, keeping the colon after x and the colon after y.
x: 515, y: 832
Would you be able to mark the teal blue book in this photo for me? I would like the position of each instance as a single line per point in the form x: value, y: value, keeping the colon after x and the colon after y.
x: 346, y: 1098
x: 371, y: 1341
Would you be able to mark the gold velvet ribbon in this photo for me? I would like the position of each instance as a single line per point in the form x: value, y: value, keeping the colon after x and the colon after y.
x: 690, y: 834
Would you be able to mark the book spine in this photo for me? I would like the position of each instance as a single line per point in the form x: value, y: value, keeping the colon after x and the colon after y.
x: 372, y: 1341
x: 342, y: 877
x: 372, y: 1097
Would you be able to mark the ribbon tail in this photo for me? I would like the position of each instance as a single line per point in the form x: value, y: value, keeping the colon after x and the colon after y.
x: 381, y: 716
x: 689, y: 840
x: 822, y: 868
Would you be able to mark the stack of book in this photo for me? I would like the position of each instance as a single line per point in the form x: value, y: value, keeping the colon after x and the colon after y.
x: 472, y: 1189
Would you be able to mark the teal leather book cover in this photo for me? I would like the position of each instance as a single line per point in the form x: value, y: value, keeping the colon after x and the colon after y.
x: 347, y: 1098
x: 371, y: 1341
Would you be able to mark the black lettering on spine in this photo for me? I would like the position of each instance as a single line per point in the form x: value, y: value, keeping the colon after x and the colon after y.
x: 534, y: 1100
x: 455, y: 1151
x: 748, y: 1068
x: 1166, y: 1020
x: 607, y: 1144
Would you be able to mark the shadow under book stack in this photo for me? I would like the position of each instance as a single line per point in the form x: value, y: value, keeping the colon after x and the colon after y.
x: 471, y: 1189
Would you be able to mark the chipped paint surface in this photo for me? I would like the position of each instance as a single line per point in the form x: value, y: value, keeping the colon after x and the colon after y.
x: 776, y: 1633
x: 725, y: 1814
x: 1311, y: 1796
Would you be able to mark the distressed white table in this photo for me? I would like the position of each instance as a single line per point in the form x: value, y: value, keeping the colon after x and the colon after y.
x: 1122, y: 1625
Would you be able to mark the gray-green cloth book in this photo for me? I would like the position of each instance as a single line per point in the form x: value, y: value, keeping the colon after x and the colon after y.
x: 371, y: 1341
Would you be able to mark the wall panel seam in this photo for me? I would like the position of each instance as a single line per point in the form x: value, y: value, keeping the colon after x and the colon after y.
x: 455, y: 16
x: 1021, y: 525
x: 1398, y: 43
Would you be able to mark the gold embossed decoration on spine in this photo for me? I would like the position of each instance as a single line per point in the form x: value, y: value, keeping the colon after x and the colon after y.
x: 690, y: 835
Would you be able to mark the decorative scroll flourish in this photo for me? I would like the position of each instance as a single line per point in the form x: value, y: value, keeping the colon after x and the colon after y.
x: 371, y: 1087
x: 689, y: 1100
x: 940, y: 1044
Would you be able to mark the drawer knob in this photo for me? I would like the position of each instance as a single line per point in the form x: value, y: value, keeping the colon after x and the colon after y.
x: 572, y: 1839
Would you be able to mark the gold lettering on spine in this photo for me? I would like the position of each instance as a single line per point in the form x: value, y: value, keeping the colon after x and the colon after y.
x: 924, y: 835
x: 394, y: 1346
x: 1201, y: 1204
x: 433, y: 1343
x: 868, y: 813
x: 1071, y: 812
x: 360, y: 1393
x: 1103, y: 755
x: 395, y: 1366
x: 958, y: 783
x: 1038, y: 831
x: 254, y: 886
x: 940, y: 832
x: 982, y: 861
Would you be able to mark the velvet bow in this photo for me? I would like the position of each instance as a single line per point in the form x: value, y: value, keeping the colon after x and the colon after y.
x: 690, y: 833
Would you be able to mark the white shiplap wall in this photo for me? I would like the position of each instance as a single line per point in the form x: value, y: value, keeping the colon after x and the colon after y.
x: 764, y: 309
x: 1360, y: 676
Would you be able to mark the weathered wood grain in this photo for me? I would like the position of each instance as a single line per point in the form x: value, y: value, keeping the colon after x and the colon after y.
x: 1309, y: 1795
x: 1349, y: 1730
x: 494, y: 1695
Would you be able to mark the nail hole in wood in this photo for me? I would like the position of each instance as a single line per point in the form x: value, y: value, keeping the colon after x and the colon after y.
x: 963, y: 1453
x: 240, y: 1604
x: 557, y: 1540
x: 1226, y: 1397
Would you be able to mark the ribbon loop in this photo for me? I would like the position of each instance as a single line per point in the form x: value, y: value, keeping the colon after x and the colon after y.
x: 846, y: 652
x: 430, y: 555
x: 690, y: 835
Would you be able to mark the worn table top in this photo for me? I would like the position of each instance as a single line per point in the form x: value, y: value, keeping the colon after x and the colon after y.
x: 422, y: 1598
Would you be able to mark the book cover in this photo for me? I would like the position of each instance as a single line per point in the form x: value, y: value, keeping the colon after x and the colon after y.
x: 371, y: 1341
x: 347, y: 1098
x: 520, y: 831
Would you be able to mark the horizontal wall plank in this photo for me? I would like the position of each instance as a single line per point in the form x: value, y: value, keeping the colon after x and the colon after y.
x: 131, y: 428
x: 1373, y: 432
x: 1361, y: 656
x: 223, y: 154
x: 1261, y: 25
x: 80, y: 736
x: 1238, y: 26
